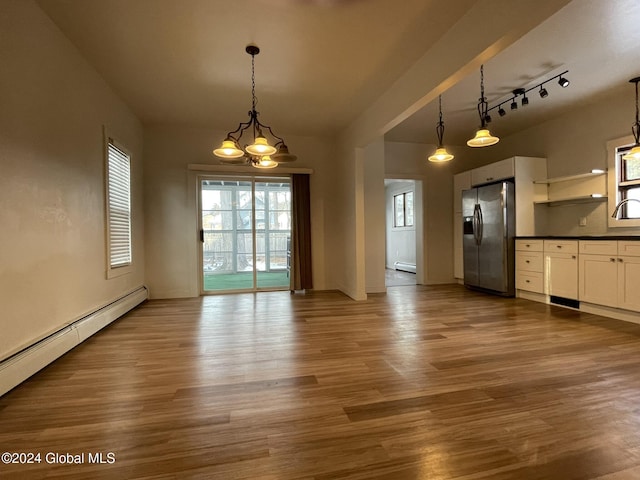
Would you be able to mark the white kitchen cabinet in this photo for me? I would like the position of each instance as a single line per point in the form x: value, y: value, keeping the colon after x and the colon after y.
x: 561, y: 268
x: 461, y: 182
x: 610, y: 273
x: 493, y: 172
x: 529, y: 265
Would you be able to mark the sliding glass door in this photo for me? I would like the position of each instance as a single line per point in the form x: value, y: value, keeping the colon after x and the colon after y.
x: 245, y: 234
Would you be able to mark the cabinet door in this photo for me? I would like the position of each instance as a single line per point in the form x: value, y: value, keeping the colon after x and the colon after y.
x: 598, y: 282
x: 561, y: 275
x: 628, y: 281
x: 461, y: 181
x: 493, y: 172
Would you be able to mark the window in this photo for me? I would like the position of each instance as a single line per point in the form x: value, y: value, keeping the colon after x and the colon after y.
x: 118, y: 203
x: 403, y: 209
x: 624, y: 185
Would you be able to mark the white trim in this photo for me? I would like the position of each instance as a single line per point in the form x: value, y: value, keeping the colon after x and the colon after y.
x: 247, y: 170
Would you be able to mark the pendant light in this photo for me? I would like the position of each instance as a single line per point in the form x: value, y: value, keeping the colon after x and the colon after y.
x: 259, y: 153
x: 634, y: 153
x: 483, y: 137
x: 441, y: 154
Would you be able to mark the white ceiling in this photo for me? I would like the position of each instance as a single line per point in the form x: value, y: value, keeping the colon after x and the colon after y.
x: 325, y: 61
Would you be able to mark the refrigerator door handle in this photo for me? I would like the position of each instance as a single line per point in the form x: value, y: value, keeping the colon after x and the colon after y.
x: 480, y: 225
x: 477, y: 224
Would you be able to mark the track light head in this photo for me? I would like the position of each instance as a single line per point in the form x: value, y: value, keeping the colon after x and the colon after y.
x: 543, y: 92
x: 514, y: 105
x: 501, y: 111
x: 563, y: 82
x: 525, y: 101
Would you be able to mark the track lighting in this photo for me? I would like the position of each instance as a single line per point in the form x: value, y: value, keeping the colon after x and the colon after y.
x: 513, y: 101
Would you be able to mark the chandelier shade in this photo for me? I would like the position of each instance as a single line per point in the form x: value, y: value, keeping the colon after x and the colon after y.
x: 259, y: 153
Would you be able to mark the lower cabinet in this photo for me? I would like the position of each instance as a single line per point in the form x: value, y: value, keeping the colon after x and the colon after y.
x: 529, y: 266
x: 561, y: 268
x: 607, y: 277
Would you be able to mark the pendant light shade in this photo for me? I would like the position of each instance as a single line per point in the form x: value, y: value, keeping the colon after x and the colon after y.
x: 634, y: 153
x: 441, y: 154
x: 259, y: 153
x: 483, y: 137
x: 260, y: 147
x: 228, y: 149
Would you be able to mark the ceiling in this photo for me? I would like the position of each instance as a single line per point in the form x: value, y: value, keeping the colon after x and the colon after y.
x: 184, y: 62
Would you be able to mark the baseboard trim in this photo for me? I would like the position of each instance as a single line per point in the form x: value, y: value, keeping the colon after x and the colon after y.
x: 20, y: 366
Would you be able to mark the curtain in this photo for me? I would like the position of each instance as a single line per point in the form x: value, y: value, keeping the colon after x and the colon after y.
x: 300, y: 277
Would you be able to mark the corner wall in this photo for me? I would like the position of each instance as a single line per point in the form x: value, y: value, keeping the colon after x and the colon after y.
x: 52, y: 240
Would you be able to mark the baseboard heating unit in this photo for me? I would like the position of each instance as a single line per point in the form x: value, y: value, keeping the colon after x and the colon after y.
x: 20, y: 366
x: 405, y: 267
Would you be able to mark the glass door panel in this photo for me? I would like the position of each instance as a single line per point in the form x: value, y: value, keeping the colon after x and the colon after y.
x: 246, y: 227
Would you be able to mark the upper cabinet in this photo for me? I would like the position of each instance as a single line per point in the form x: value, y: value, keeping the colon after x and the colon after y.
x: 493, y: 172
x: 591, y: 186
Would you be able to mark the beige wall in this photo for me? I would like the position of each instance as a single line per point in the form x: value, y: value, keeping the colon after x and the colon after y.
x: 52, y: 240
x: 374, y: 211
x: 172, y: 248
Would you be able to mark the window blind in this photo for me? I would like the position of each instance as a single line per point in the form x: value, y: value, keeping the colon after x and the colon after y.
x: 119, y: 202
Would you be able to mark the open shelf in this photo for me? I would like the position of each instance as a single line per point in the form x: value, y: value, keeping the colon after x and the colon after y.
x: 581, y: 188
x: 569, y: 178
x: 573, y: 199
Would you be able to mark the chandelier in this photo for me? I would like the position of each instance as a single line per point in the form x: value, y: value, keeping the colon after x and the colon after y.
x: 259, y: 153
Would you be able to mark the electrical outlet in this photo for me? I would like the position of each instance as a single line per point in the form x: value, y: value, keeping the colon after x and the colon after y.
x: 583, y: 221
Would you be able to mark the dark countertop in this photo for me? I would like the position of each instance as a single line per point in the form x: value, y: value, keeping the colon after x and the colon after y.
x: 580, y: 237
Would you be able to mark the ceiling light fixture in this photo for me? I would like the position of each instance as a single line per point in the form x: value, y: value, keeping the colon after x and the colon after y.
x: 522, y: 91
x: 483, y: 137
x: 441, y: 154
x: 634, y: 153
x: 258, y: 154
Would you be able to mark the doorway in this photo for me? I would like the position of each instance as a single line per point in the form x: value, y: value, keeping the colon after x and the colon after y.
x: 245, y: 232
x: 403, y: 214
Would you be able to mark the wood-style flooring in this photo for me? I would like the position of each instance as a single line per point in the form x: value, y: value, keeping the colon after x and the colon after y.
x: 429, y: 383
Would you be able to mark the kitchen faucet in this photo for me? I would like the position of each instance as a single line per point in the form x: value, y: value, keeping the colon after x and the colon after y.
x: 620, y: 203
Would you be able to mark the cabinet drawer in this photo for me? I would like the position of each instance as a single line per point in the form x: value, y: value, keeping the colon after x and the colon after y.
x: 529, y: 245
x: 561, y: 246
x: 530, y: 281
x: 529, y: 261
x: 599, y: 247
x: 629, y: 248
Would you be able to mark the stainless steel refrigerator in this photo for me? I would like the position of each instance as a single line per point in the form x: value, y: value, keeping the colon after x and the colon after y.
x: 488, y: 214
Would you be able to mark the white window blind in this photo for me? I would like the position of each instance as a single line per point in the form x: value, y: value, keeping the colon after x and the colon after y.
x: 119, y: 207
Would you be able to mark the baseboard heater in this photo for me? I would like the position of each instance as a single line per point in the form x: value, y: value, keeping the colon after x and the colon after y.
x: 405, y: 267
x: 20, y: 366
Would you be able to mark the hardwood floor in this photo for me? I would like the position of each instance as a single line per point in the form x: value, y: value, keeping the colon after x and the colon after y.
x: 422, y: 383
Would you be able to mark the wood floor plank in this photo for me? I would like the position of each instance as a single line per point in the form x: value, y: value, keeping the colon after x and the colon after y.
x: 437, y: 383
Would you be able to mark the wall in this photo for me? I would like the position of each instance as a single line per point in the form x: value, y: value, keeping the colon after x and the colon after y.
x: 374, y: 212
x: 401, y: 242
x: 170, y: 200
x: 409, y: 160
x: 52, y: 241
